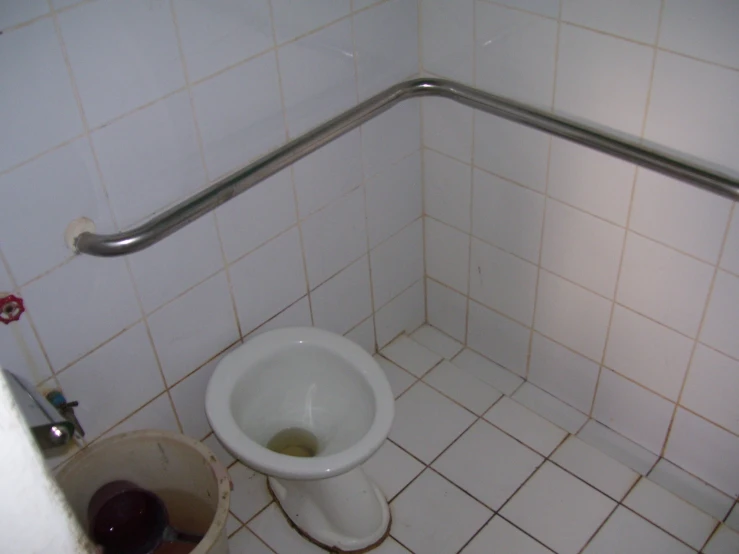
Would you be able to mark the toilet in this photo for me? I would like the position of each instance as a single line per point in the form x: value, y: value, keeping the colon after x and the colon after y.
x: 306, y: 407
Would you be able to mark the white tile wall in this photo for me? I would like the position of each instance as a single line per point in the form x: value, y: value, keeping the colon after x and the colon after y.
x: 173, y: 96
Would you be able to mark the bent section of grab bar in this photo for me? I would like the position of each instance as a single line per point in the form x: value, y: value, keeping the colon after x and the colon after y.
x: 173, y: 219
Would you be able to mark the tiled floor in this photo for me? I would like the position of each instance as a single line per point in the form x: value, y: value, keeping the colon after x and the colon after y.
x: 480, y: 462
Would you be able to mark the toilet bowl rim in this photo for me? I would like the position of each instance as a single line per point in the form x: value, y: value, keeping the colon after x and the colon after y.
x: 260, y: 458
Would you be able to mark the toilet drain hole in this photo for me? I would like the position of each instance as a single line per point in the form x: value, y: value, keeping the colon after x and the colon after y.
x: 294, y: 441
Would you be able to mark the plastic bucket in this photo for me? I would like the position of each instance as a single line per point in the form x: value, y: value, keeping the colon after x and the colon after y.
x: 185, y: 474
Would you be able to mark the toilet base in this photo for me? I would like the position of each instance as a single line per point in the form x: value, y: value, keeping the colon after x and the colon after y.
x: 346, y: 513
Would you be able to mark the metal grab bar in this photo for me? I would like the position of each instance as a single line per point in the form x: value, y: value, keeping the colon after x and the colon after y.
x: 173, y: 219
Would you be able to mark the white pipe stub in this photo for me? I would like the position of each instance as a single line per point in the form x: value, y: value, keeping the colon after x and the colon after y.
x: 75, y: 229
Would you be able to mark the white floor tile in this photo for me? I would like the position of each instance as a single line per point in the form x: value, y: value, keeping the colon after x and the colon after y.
x: 391, y: 469
x: 232, y: 525
x: 427, y: 422
x: 558, y: 509
x: 432, y: 516
x: 627, y: 532
x: 733, y: 519
x: 410, y: 355
x: 724, y: 541
x: 221, y: 453
x: 272, y: 527
x: 500, y: 537
x: 438, y: 342
x: 390, y: 546
x: 526, y: 426
x: 592, y: 466
x: 462, y: 387
x: 246, y: 542
x: 488, y: 464
x: 671, y: 513
x: 617, y: 447
x: 249, y: 493
x: 550, y: 408
x: 485, y: 370
x: 691, y: 489
x: 400, y: 380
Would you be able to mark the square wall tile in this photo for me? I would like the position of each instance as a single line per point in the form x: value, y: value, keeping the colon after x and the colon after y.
x: 215, y: 446
x: 328, y: 173
x: 515, y: 53
x: 364, y: 335
x: 679, y: 215
x: 709, y: 391
x: 563, y: 373
x: 239, y: 114
x: 507, y: 215
x: 503, y: 282
x: 447, y: 31
x: 580, y: 509
x: 690, y: 488
x: 135, y: 60
x: 671, y: 513
x: 505, y: 537
x: 572, y: 316
x: 189, y: 399
x: 22, y: 354
x: 636, y: 20
x: 344, y: 300
x: 596, y: 183
x: 447, y: 310
x: 627, y: 532
x: 447, y: 254
x: 690, y: 108
x: 647, y: 352
x: 663, y: 284
x: 34, y: 118
x: 435, y: 517
x: 12, y: 14
x: 730, y: 257
x: 334, y: 237
x: 268, y: 280
x: 296, y: 315
x: 295, y: 18
x: 162, y: 272
x: 97, y: 291
x: 397, y: 263
x: 489, y: 372
x: 34, y: 211
x: 221, y: 33
x: 426, y: 422
x: 390, y: 137
x: 394, y: 199
x: 164, y: 167
x: 595, y: 468
x: 181, y: 340
x: 157, y: 414
x: 636, y: 413
x: 511, y: 150
x: 501, y: 339
x: 582, y: 248
x: 256, y: 215
x: 549, y: 8
x: 706, y: 451
x: 404, y: 313
x: 447, y: 127
x: 318, y: 77
x: 722, y: 316
x: 447, y: 190
x: 464, y: 388
x: 383, y: 63
x: 702, y: 31
x: 603, y: 79
x: 526, y: 426
x: 488, y: 464
x: 113, y: 381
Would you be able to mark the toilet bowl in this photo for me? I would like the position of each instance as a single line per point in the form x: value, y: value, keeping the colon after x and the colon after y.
x: 328, y: 396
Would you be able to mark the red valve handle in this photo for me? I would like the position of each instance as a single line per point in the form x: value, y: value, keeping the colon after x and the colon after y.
x: 11, y: 308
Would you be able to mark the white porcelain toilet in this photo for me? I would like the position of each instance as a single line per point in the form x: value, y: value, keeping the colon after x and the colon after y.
x: 308, y: 392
